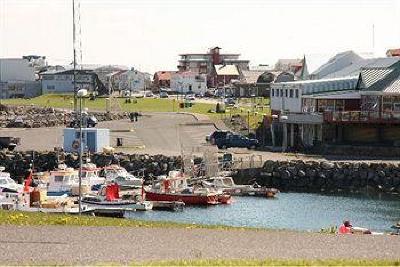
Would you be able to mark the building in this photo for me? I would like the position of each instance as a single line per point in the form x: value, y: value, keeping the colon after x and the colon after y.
x: 130, y: 80
x: 63, y: 81
x: 188, y: 83
x: 105, y: 74
x: 356, y: 113
x: 348, y: 64
x: 256, y: 83
x: 17, y: 79
x: 296, y: 66
x: 299, y: 105
x: 205, y: 63
x: 162, y: 79
x: 393, y: 52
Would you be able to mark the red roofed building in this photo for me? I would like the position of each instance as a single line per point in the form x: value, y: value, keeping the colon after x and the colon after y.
x: 162, y: 79
x: 393, y: 52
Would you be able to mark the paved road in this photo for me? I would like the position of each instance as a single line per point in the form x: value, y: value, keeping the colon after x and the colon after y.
x: 84, y: 245
x: 154, y: 133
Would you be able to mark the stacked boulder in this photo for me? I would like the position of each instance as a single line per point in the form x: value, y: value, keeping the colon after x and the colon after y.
x: 317, y: 176
x: 35, y: 117
x: 19, y: 163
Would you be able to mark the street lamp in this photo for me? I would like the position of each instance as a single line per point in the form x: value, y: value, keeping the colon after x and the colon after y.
x: 80, y: 94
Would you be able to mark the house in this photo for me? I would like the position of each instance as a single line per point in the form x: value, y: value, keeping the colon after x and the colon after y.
x: 296, y: 66
x: 393, y: 52
x: 205, y: 63
x: 63, y: 81
x: 189, y: 82
x: 162, y: 79
x: 257, y: 83
x: 17, y: 79
x: 130, y: 80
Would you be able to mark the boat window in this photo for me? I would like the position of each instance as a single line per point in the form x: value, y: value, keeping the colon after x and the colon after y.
x: 58, y: 178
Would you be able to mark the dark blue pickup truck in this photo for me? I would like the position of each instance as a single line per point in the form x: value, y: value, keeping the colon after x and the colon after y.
x: 236, y: 140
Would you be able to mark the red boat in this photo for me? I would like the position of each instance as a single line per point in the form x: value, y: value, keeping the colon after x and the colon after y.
x: 188, y: 199
x: 175, y: 188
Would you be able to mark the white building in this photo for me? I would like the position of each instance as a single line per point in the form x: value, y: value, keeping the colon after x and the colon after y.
x: 17, y: 78
x: 189, y: 82
x: 288, y: 96
x: 131, y: 80
x: 62, y: 81
x: 16, y: 69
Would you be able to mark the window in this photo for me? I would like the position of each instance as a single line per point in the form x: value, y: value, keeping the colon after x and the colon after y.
x: 281, y: 90
x: 286, y: 92
x: 297, y: 93
x: 51, y: 87
x: 291, y: 93
x: 273, y: 92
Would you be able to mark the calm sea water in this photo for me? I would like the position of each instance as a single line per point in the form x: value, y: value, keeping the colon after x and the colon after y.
x: 297, y: 211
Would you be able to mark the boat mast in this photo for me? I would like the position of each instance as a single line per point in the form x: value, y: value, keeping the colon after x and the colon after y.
x: 74, y: 53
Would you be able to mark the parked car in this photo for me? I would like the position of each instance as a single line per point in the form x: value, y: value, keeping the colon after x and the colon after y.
x: 190, y: 97
x: 87, y: 121
x: 147, y: 94
x: 236, y: 140
x: 216, y: 135
x: 163, y: 95
x: 229, y: 101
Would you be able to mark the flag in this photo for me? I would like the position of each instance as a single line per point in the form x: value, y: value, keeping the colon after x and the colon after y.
x: 28, y: 182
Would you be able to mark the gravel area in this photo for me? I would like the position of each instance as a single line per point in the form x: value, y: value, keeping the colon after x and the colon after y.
x: 85, y: 245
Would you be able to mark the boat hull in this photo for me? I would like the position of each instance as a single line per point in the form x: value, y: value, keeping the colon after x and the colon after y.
x: 188, y: 199
x: 142, y: 206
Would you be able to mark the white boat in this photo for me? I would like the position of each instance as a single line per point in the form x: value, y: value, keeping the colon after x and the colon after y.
x: 119, y: 175
x: 63, y: 181
x: 90, y: 175
x: 21, y: 202
x: 227, y: 185
x: 6, y: 183
x: 108, y: 198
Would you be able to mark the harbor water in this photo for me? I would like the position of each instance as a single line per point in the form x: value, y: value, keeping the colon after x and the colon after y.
x: 295, y: 211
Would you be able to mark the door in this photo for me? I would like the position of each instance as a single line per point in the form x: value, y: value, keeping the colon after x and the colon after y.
x: 91, y: 141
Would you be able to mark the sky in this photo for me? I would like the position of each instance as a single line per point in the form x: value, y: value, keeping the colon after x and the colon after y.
x: 150, y: 34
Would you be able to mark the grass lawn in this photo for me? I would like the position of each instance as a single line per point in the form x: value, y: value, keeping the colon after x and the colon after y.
x: 38, y: 218
x: 272, y: 262
x: 254, y: 114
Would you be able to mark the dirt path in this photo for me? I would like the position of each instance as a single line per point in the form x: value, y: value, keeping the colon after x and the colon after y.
x: 83, y: 245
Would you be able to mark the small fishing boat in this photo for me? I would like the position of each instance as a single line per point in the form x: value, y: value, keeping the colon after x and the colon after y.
x: 119, y: 175
x: 108, y: 198
x: 90, y: 175
x: 62, y: 181
x: 174, y: 187
x: 227, y: 185
x: 8, y: 184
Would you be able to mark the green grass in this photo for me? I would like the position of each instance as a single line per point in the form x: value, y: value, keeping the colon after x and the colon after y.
x: 37, y: 218
x: 271, y: 262
x: 142, y: 104
x: 255, y: 114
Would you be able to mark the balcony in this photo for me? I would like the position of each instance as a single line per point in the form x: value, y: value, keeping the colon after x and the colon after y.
x: 371, y: 117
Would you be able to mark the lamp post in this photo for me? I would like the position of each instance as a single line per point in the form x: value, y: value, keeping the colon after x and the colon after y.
x: 81, y: 93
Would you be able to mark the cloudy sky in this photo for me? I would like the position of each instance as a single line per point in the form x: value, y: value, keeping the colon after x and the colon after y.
x: 149, y: 34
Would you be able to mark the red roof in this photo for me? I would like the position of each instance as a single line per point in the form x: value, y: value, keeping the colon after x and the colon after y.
x: 164, y: 75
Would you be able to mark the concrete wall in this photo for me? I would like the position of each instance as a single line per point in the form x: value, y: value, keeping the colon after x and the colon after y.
x: 16, y: 69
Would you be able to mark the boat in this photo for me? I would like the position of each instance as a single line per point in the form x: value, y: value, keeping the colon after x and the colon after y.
x: 8, y: 184
x: 227, y: 185
x: 174, y: 187
x: 119, y: 175
x: 108, y: 198
x: 22, y: 202
x: 90, y: 175
x: 65, y: 181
